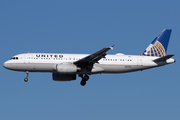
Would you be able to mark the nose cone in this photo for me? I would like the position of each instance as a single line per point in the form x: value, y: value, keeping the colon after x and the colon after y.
x: 6, y: 65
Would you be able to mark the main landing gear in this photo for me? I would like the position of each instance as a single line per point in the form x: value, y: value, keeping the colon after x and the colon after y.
x: 26, y: 79
x: 84, y: 79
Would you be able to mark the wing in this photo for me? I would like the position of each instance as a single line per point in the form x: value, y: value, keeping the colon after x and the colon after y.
x: 93, y: 58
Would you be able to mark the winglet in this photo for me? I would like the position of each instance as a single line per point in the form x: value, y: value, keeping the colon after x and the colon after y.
x: 111, y: 47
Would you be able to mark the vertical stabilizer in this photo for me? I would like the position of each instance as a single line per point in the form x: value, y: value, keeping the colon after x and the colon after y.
x: 158, y: 46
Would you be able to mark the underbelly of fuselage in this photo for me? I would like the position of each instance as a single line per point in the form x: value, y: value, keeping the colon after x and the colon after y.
x: 51, y: 67
x: 32, y: 67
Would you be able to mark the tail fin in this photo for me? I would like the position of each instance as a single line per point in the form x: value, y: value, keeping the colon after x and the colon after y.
x: 158, y: 46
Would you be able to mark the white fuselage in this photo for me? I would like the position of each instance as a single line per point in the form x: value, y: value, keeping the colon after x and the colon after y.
x: 47, y: 62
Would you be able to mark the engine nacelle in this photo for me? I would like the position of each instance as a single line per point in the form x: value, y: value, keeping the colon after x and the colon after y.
x: 63, y: 77
x: 66, y: 68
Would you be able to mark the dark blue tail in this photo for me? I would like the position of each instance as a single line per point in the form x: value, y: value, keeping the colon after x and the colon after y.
x: 158, y: 46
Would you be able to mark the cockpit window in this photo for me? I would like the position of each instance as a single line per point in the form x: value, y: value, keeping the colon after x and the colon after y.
x: 14, y: 58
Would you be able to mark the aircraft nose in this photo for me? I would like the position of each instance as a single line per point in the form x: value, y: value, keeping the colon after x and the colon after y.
x: 6, y: 65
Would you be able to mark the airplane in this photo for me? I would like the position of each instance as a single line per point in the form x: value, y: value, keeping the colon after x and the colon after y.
x: 65, y: 67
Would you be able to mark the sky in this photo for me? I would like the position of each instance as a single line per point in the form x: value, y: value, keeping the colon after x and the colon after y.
x: 86, y: 26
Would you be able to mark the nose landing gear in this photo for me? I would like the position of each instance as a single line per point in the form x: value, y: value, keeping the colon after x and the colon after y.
x: 26, y: 79
x: 84, y: 79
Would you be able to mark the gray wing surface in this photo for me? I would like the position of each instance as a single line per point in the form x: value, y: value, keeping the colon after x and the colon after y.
x: 93, y: 58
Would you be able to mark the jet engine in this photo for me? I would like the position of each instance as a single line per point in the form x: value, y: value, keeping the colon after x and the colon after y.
x: 66, y: 68
x: 63, y: 77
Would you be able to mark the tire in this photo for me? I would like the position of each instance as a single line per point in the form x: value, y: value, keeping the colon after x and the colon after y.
x: 83, y: 82
x: 25, y: 79
x: 86, y: 78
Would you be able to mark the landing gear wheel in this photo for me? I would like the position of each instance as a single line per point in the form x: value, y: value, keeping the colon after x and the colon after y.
x: 25, y: 79
x: 86, y: 77
x: 83, y: 82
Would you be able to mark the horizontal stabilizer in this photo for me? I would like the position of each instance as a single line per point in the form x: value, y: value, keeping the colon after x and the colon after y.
x: 163, y: 58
